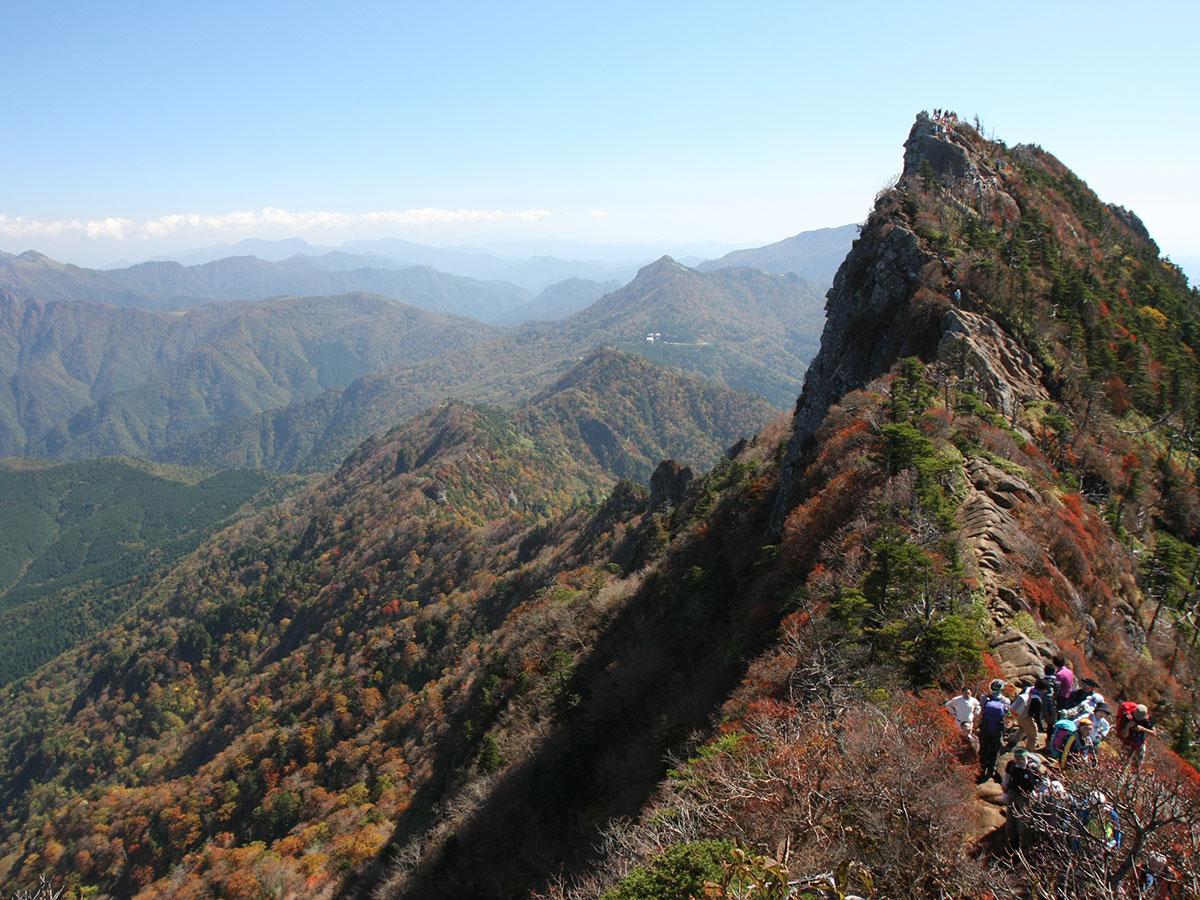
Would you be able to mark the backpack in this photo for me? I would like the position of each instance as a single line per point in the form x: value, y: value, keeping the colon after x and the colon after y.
x: 1053, y: 692
x: 1063, y: 729
x: 1020, y: 704
x: 995, y: 708
x: 1124, y: 716
x: 1021, y: 780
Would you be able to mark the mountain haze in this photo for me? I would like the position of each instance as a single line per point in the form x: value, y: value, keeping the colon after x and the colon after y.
x: 814, y: 255
x: 88, y: 380
x: 741, y: 328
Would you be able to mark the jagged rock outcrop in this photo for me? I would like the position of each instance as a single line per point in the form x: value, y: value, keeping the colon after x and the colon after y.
x: 897, y: 294
x: 891, y: 298
x: 1000, y: 546
x: 668, y: 484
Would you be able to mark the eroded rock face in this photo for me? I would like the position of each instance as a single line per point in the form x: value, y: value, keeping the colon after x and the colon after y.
x: 896, y: 296
x: 977, y: 349
x: 1002, y: 549
x: 929, y: 146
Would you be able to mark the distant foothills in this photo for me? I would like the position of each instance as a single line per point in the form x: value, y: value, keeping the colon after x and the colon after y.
x: 289, y: 364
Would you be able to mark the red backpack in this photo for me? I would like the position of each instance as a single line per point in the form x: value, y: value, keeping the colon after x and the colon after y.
x: 1124, y: 716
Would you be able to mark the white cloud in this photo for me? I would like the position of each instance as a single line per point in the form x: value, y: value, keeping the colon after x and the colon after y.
x: 599, y: 213
x: 247, y: 221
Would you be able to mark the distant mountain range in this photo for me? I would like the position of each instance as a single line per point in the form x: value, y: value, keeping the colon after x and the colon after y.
x: 219, y: 362
x: 743, y: 328
x: 294, y: 384
x: 814, y: 255
x: 477, y: 285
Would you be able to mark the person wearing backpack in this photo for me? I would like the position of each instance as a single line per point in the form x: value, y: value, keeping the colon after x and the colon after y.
x: 1056, y: 740
x: 1078, y: 747
x: 1049, y: 698
x: 1133, y: 724
x: 1099, y: 827
x: 992, y: 720
x: 1027, y: 709
x: 1021, y: 778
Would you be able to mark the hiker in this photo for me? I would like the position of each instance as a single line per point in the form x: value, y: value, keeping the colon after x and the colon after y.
x: 1066, y: 683
x: 1099, y: 826
x: 1021, y: 778
x: 1051, y: 807
x: 1078, y: 747
x: 1132, y: 727
x: 1027, y: 708
x: 1157, y: 879
x: 965, y: 708
x: 992, y: 720
x: 1049, y: 699
x: 1102, y: 716
x: 1056, y: 739
x: 1083, y: 699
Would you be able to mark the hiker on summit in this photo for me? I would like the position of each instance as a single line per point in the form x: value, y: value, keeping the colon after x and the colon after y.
x: 991, y: 729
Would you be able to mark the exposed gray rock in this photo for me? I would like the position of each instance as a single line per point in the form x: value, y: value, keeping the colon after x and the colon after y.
x: 930, y: 144
x: 978, y: 350
x: 1021, y: 657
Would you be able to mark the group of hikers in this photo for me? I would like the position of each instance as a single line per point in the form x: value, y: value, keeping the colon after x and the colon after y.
x: 1060, y: 724
x: 945, y: 117
x: 1069, y: 719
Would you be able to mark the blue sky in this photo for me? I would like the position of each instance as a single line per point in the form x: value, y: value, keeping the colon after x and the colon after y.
x: 135, y: 128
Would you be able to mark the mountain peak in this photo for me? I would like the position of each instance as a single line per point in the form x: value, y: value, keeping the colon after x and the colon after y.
x: 940, y: 145
x: 663, y: 265
x: 971, y: 231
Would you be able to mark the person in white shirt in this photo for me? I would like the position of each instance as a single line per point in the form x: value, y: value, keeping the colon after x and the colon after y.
x: 964, y: 707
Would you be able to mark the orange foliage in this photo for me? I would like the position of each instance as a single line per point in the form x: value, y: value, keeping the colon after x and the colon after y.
x: 1040, y: 593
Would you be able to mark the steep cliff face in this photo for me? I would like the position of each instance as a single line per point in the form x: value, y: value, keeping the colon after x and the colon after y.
x: 892, y: 298
x: 1004, y: 277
